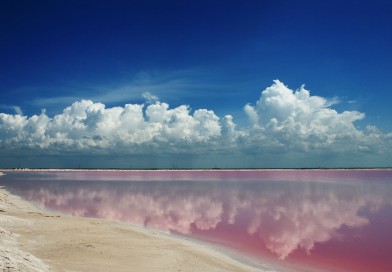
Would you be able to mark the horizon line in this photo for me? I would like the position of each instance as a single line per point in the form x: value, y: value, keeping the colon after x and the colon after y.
x: 195, y: 169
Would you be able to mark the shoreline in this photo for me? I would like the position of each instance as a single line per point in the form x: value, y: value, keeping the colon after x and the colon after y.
x: 38, y: 240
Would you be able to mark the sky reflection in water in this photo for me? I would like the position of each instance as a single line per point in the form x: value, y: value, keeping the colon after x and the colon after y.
x: 330, y: 219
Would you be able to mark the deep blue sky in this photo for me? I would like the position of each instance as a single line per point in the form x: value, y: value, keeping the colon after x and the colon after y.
x: 217, y: 55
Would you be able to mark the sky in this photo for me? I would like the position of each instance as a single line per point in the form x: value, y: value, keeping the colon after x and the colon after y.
x: 195, y: 84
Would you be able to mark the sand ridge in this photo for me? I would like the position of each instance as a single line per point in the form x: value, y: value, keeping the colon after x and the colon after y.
x: 36, y: 240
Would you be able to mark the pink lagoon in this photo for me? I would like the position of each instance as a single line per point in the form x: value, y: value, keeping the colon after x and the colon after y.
x: 294, y: 220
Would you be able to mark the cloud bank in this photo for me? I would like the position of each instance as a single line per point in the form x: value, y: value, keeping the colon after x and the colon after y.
x: 282, y: 121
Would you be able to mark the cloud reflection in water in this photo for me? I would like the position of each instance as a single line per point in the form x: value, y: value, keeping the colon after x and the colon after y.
x: 281, y: 216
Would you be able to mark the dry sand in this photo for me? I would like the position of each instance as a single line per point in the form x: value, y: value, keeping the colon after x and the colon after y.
x: 36, y: 240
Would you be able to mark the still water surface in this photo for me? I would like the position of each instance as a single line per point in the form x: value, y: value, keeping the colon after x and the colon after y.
x: 313, y: 220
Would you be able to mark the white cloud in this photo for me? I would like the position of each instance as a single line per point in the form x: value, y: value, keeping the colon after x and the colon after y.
x: 16, y: 109
x: 298, y: 120
x: 252, y: 114
x: 150, y: 98
x: 173, y: 84
x: 86, y: 125
x: 283, y: 121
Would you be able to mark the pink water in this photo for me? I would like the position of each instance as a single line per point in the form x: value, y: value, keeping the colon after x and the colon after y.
x: 309, y: 220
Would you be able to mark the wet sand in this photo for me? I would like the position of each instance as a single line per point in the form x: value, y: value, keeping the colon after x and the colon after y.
x: 35, y: 240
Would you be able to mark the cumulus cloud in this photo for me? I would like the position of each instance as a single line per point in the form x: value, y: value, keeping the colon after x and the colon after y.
x: 282, y: 120
x: 297, y: 119
x: 86, y: 125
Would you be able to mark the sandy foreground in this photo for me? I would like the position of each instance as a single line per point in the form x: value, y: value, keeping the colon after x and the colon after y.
x: 36, y: 240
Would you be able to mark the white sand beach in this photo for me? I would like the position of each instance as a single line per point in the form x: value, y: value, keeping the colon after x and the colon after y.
x: 37, y: 240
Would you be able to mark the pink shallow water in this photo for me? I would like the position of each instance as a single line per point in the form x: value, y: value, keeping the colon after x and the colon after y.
x: 324, y: 220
